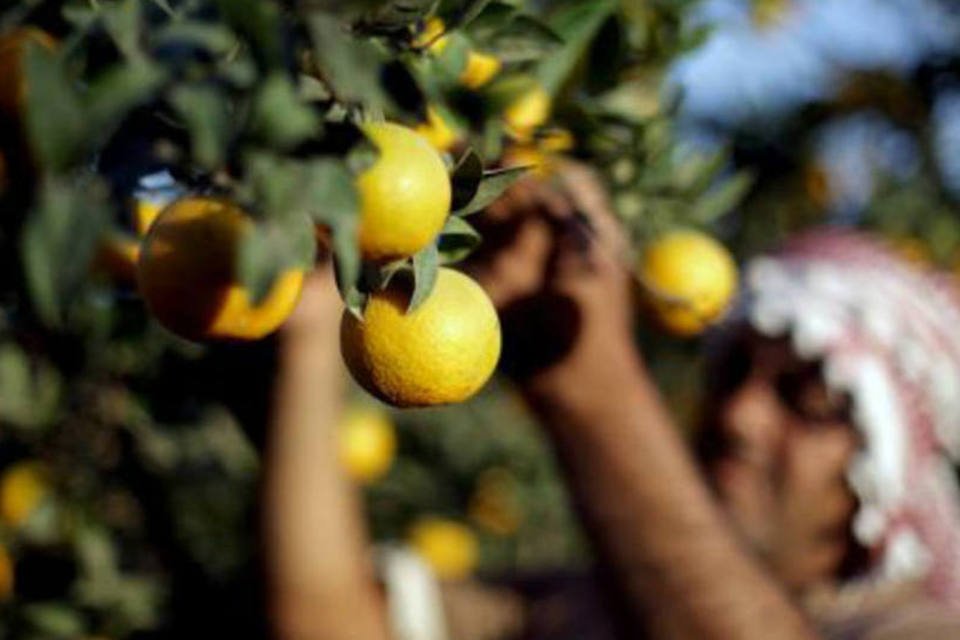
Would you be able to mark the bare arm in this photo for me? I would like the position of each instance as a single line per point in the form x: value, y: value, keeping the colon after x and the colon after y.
x: 680, y: 569
x: 320, y: 576
x: 678, y: 566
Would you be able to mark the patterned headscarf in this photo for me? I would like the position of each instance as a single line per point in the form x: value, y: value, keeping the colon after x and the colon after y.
x: 888, y: 334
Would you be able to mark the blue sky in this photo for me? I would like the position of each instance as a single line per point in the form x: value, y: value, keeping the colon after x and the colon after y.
x: 744, y: 72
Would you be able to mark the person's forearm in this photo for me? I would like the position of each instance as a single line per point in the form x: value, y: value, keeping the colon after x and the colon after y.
x: 679, y: 568
x: 319, y: 570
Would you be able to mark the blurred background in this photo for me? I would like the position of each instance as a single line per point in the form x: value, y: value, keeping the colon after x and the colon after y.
x: 840, y: 111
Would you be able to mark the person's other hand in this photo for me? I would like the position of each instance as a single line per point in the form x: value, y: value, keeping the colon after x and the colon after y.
x: 554, y: 261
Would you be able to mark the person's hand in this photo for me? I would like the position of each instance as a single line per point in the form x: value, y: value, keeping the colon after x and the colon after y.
x: 554, y: 261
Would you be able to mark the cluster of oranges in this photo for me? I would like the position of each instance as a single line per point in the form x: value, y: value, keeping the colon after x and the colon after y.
x: 688, y: 277
x: 441, y: 352
x: 523, y: 115
x: 184, y: 262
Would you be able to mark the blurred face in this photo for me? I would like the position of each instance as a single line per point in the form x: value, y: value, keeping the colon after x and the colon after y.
x: 776, y: 452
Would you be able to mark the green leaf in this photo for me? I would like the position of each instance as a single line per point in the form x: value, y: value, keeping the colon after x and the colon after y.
x: 453, y: 59
x: 523, y: 39
x: 214, y: 38
x: 346, y: 256
x: 457, y: 239
x: 123, y: 22
x: 332, y: 193
x: 466, y: 178
x: 720, y: 200
x: 58, y: 243
x: 576, y: 23
x: 271, y: 248
x: 698, y: 172
x: 205, y: 111
x: 426, y: 264
x: 30, y: 390
x: 261, y: 22
x: 54, y: 619
x: 494, y: 183
x: 463, y: 14
x: 279, y: 118
x: 80, y: 17
x: 257, y: 263
x: 117, y: 91
x: 492, y: 17
x: 55, y: 118
x: 350, y: 67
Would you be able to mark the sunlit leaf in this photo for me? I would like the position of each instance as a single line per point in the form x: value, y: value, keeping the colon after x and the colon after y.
x: 425, y: 267
x: 494, y: 183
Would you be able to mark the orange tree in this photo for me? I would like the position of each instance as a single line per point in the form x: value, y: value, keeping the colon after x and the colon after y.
x: 167, y: 169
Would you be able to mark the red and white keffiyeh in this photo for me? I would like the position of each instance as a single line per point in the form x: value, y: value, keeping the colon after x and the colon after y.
x: 888, y: 334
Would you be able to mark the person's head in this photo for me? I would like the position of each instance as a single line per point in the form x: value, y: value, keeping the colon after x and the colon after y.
x: 834, y: 407
x: 776, y: 449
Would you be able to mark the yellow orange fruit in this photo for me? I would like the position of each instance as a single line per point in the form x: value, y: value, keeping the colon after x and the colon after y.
x: 431, y: 36
x: 541, y: 153
x: 690, y: 279
x: 187, y: 274
x: 404, y: 196
x: 23, y: 488
x: 442, y: 352
x: 528, y: 111
x: 145, y: 213
x: 13, y: 84
x: 367, y: 443
x: 555, y: 140
x: 479, y: 70
x: 437, y: 131
x: 480, y: 67
x: 449, y: 547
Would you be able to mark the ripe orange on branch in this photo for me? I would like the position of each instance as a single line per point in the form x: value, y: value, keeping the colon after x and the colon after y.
x: 442, y: 352
x: 528, y: 111
x: 690, y: 280
x: 367, y: 443
x: 438, y: 131
x: 404, y: 197
x: 450, y: 548
x: 187, y: 274
x: 24, y: 486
